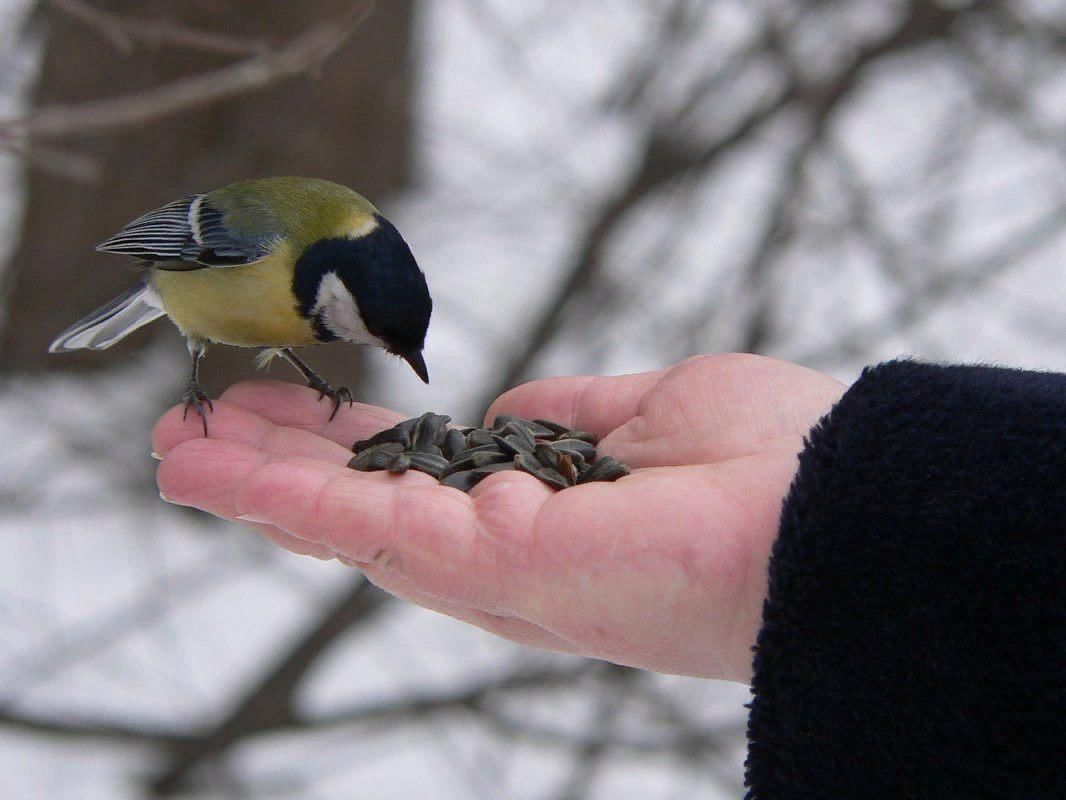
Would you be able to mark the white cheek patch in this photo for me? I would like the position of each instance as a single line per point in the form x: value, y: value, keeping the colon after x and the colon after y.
x: 336, y: 307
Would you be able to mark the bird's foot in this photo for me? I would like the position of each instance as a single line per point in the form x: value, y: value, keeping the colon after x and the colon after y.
x: 196, y: 397
x: 342, y: 394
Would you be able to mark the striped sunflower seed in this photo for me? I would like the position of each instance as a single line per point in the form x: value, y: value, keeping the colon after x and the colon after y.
x: 400, y: 463
x: 375, y: 458
x: 555, y: 428
x: 464, y: 481
x: 534, y: 428
x: 524, y: 462
x: 567, y: 469
x: 547, y: 455
x: 430, y: 431
x: 604, y: 469
x: 513, y: 444
x: 454, y: 443
x: 583, y: 436
x: 479, y: 437
x: 395, y: 435
x: 428, y: 463
x: 576, y: 446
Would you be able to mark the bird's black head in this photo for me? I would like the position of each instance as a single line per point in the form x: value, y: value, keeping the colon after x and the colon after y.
x: 352, y: 287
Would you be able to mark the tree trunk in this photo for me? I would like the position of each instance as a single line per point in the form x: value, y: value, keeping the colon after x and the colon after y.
x: 349, y: 124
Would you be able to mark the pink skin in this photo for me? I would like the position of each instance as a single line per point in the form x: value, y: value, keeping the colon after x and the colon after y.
x: 663, y: 570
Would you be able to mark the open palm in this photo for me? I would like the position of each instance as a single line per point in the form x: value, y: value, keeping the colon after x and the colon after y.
x: 664, y: 569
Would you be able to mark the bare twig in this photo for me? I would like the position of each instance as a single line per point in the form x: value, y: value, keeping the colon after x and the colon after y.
x: 943, y: 285
x: 588, y: 759
x: 269, y: 704
x: 301, y: 55
x: 124, y: 31
x: 59, y: 161
x: 473, y: 698
x: 664, y: 161
x: 29, y: 722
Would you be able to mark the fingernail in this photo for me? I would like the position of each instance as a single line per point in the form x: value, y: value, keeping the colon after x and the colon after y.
x: 253, y: 518
x: 166, y: 499
x: 156, y: 456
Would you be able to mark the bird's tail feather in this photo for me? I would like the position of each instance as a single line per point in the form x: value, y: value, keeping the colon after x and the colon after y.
x: 109, y: 323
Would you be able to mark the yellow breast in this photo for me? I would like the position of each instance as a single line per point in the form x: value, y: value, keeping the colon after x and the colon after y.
x: 247, y: 306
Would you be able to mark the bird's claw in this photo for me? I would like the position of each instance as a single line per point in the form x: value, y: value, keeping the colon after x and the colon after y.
x: 339, y: 395
x: 196, y: 397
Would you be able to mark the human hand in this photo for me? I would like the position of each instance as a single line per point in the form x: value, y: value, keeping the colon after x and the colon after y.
x: 664, y: 569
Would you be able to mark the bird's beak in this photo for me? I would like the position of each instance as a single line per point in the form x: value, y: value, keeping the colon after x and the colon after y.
x: 418, y: 364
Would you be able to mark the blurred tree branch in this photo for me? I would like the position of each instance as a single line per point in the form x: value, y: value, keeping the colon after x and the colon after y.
x: 269, y: 704
x: 938, y: 287
x: 303, y: 53
x: 124, y: 31
x: 664, y: 159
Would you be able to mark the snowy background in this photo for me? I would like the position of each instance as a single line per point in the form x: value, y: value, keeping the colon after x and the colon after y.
x: 831, y: 183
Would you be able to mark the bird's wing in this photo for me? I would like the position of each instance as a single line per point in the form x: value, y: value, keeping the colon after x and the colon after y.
x: 188, y: 234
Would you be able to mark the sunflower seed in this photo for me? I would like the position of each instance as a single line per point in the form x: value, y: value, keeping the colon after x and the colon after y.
x: 576, y: 459
x: 533, y: 428
x: 408, y: 425
x: 431, y: 430
x: 554, y: 427
x: 479, y: 459
x: 567, y: 469
x: 504, y: 420
x: 372, y: 460
x: 485, y: 459
x: 513, y: 444
x: 492, y: 469
x: 546, y: 455
x: 479, y: 437
x: 428, y: 463
x: 464, y: 481
x: 584, y: 449
x: 387, y: 449
x: 583, y: 436
x: 465, y: 454
x: 523, y: 462
x: 454, y: 443
x: 399, y: 464
x: 605, y: 469
x: 552, y: 478
x: 518, y: 431
x: 392, y: 435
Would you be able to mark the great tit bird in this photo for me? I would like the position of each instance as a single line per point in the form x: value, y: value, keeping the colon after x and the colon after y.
x: 273, y: 263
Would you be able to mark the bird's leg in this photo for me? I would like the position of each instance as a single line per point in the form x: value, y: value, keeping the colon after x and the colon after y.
x: 318, y: 383
x: 194, y: 395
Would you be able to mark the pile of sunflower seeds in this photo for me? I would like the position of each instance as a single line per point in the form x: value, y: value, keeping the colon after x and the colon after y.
x: 463, y: 457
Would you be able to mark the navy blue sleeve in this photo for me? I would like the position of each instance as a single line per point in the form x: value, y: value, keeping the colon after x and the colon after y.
x: 914, y: 634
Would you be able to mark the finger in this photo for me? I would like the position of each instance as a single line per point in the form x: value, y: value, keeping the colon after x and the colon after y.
x: 293, y: 544
x: 429, y: 534
x: 296, y: 406
x: 232, y: 423
x: 512, y: 628
x: 206, y: 473
x: 594, y: 404
x: 203, y: 473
